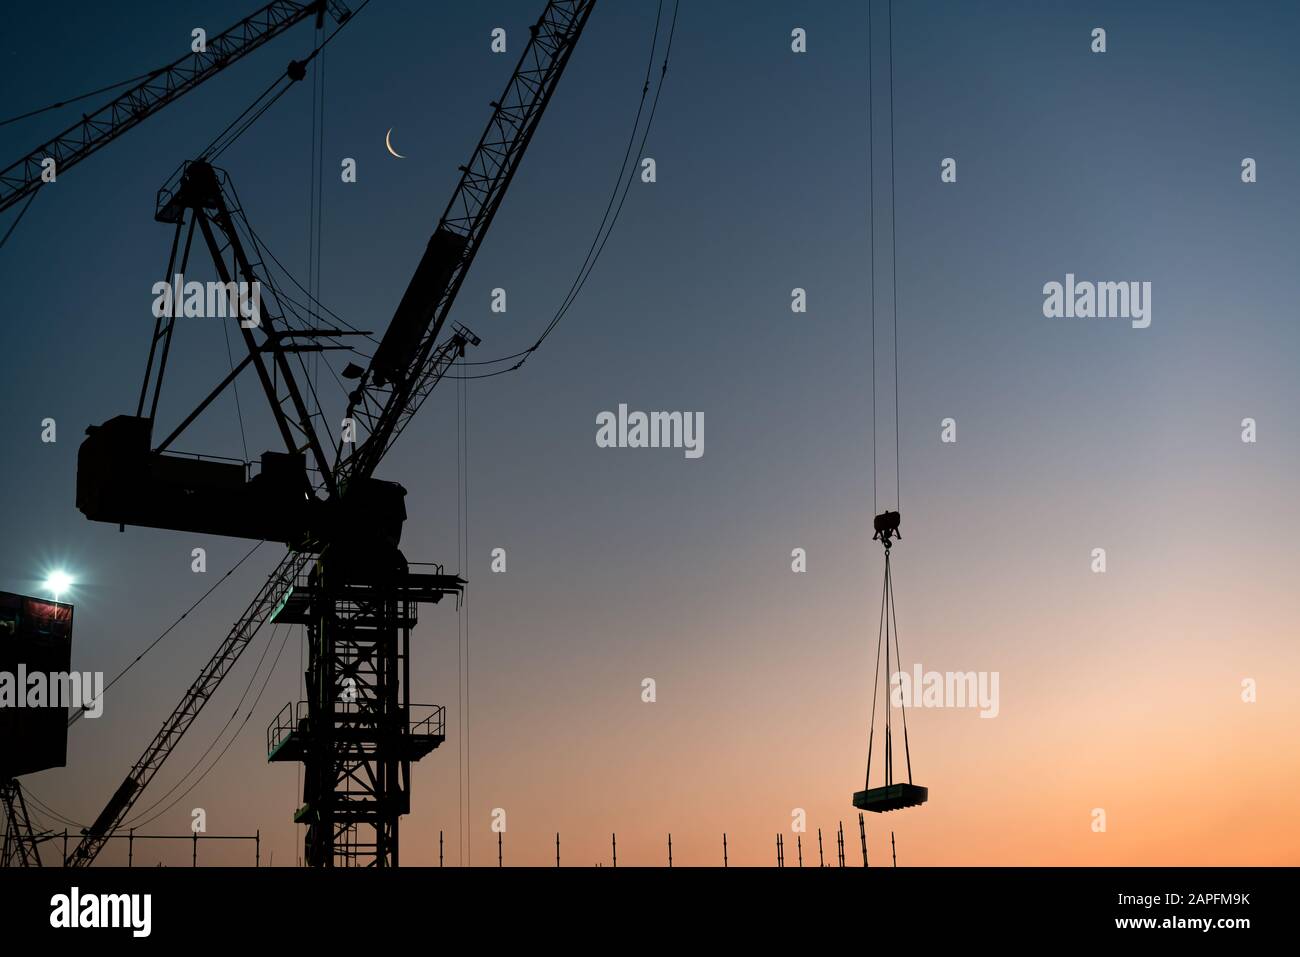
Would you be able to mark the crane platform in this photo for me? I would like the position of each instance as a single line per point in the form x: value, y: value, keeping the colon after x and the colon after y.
x: 287, y: 737
x: 892, y: 797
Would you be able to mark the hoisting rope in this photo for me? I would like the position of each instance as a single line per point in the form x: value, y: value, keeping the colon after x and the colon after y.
x: 875, y: 685
x: 146, y: 816
x: 871, y: 247
x: 887, y: 522
x: 469, y: 794
x: 613, y: 209
x: 297, y: 70
x: 464, y: 836
x: 893, y: 258
x: 139, y: 820
x: 75, y: 714
x: 316, y: 208
x: 313, y: 293
x: 18, y: 219
x: 888, y: 626
x: 81, y: 96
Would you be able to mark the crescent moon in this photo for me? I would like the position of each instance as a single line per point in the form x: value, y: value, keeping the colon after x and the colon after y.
x: 389, y: 143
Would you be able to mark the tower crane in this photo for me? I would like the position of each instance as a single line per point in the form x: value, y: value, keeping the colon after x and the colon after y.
x: 344, y: 576
x: 160, y: 87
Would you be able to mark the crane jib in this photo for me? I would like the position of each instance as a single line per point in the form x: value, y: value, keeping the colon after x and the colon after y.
x: 161, y: 87
x: 407, y: 363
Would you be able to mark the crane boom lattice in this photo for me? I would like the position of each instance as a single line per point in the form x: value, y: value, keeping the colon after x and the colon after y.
x: 161, y: 87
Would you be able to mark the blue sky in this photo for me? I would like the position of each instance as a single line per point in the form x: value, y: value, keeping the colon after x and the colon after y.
x: 623, y: 563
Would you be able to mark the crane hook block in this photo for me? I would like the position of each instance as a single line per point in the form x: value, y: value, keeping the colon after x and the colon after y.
x: 887, y: 527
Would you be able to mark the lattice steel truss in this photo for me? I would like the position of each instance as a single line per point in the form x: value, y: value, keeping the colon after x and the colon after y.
x: 162, y: 86
x: 20, y: 840
x: 358, y: 733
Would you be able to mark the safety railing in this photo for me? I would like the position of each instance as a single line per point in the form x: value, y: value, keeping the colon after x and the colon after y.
x: 423, y: 720
x: 428, y: 720
x: 288, y: 721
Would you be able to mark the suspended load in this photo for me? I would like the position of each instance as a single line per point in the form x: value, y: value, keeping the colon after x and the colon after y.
x: 889, y: 795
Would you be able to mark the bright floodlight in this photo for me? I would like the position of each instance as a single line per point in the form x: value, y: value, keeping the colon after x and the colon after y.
x: 57, y: 583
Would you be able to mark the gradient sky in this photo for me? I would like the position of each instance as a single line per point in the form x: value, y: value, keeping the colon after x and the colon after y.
x: 1118, y: 691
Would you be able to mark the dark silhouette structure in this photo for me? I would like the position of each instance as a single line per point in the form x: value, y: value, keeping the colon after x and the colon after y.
x: 344, y: 577
x: 20, y: 839
x: 35, y: 639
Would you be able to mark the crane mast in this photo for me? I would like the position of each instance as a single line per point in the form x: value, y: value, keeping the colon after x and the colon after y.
x: 162, y: 86
x: 344, y: 576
